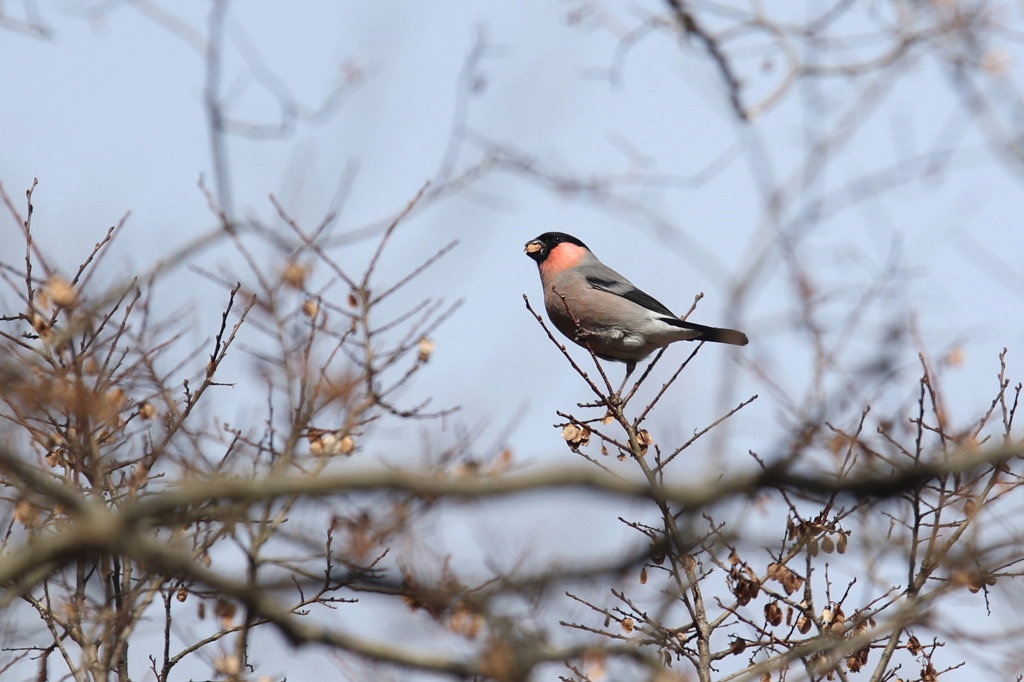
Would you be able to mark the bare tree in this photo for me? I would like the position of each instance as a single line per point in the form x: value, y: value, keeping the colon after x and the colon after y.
x: 136, y: 492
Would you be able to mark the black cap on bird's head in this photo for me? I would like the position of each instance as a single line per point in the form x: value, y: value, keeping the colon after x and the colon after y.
x: 540, y: 248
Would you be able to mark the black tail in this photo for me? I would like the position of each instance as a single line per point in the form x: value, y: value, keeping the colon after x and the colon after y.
x: 717, y: 335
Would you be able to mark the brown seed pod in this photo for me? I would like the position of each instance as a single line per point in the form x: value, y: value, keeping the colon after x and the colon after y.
x: 26, y: 513
x: 346, y: 445
x: 295, y: 275
x: 226, y: 611
x: 745, y: 590
x: 914, y: 646
x: 61, y: 292
x: 147, y: 411
x: 791, y: 582
x: 425, y: 347
x: 575, y: 436
x: 657, y: 551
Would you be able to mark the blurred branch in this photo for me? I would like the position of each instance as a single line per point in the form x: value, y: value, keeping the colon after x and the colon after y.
x: 31, y: 26
x: 691, y: 27
x: 297, y: 630
x: 691, y: 497
x: 215, y: 113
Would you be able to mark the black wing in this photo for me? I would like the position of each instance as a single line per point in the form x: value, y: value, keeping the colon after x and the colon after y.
x: 630, y: 293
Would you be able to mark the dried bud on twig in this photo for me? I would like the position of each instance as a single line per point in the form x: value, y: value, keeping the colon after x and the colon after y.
x: 425, y: 347
x: 117, y: 398
x: 228, y: 666
x: 61, y: 292
x: 346, y: 445
x: 55, y: 457
x: 323, y: 443
x: 225, y: 610
x: 26, y: 513
x: 595, y: 664
x: 465, y: 622
x: 295, y: 275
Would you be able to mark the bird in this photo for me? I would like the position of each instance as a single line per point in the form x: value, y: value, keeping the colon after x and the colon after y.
x: 597, y: 308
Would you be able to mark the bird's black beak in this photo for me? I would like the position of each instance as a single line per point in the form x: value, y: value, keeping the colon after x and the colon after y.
x: 535, y: 250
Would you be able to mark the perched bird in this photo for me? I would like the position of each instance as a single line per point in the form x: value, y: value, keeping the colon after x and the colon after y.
x: 593, y: 305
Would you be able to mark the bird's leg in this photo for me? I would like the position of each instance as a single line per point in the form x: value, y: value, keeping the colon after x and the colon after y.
x: 630, y: 366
